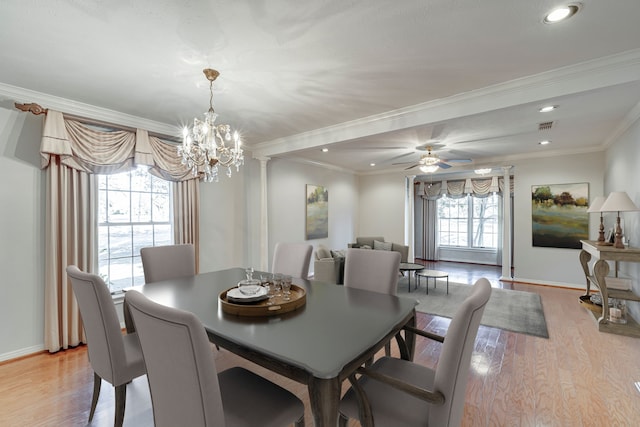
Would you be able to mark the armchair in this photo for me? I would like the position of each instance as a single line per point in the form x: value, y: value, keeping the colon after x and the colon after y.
x: 326, y: 267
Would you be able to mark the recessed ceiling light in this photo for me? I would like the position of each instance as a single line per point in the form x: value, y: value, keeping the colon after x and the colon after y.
x: 324, y: 150
x: 548, y: 108
x: 372, y: 164
x: 545, y: 142
x: 561, y: 13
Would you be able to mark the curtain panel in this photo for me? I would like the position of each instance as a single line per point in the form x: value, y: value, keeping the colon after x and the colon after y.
x: 72, y: 154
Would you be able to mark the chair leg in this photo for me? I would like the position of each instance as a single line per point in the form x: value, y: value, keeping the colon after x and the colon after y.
x: 121, y: 399
x: 300, y: 422
x: 342, y: 421
x: 97, y: 382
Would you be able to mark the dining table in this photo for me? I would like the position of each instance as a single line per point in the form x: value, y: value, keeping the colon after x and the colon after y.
x: 320, y: 344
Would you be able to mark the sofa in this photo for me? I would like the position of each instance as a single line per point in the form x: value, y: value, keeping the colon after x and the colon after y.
x: 328, y: 265
x: 378, y: 243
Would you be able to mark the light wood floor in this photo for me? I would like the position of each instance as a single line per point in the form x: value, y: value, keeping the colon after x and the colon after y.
x: 577, y: 377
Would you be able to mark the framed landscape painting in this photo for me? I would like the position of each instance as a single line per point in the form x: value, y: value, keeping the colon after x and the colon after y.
x: 559, y: 215
x: 317, y: 224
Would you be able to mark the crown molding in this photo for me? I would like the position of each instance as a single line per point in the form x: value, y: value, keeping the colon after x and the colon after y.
x: 628, y: 121
x: 22, y: 95
x: 594, y: 74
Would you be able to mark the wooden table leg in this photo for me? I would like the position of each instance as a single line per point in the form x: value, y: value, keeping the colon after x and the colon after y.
x: 324, y: 395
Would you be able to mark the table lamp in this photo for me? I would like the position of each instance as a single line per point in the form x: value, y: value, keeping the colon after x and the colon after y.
x: 618, y: 201
x: 596, y: 206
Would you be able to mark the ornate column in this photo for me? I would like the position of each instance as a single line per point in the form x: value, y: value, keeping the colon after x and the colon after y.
x: 409, y: 216
x: 264, y: 217
x: 506, y: 225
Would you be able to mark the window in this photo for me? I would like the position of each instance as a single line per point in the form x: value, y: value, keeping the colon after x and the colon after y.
x: 468, y: 222
x: 134, y: 211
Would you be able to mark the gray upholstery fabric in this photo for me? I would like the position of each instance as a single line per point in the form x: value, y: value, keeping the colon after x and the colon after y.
x: 392, y: 407
x: 368, y: 240
x: 322, y: 252
x: 114, y: 357
x: 292, y: 259
x: 372, y: 270
x: 168, y: 262
x: 185, y: 388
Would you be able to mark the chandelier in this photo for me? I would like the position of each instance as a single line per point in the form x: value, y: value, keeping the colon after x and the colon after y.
x: 207, y: 145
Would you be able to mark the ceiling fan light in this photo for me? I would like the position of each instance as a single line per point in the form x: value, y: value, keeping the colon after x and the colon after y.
x: 429, y: 168
x: 482, y: 171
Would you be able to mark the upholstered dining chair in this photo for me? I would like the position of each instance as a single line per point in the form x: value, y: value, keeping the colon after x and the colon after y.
x: 372, y: 270
x: 114, y: 357
x: 292, y: 259
x: 185, y: 388
x: 168, y: 262
x: 375, y: 271
x: 395, y: 392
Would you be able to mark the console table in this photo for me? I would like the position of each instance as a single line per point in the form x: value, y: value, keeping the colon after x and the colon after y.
x: 590, y: 249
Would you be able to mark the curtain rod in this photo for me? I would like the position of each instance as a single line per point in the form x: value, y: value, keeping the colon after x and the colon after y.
x: 36, y: 110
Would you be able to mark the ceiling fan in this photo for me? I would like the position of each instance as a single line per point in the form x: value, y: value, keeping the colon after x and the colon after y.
x: 430, y: 162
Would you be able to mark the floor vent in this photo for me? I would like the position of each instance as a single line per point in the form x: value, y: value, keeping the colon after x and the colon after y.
x: 545, y: 125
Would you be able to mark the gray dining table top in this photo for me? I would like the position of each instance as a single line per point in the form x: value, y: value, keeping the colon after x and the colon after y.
x: 333, y: 328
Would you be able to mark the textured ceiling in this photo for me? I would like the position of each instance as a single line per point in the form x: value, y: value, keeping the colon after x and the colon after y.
x: 370, y: 79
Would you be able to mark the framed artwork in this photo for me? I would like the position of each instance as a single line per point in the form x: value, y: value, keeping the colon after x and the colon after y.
x: 559, y: 215
x: 317, y: 203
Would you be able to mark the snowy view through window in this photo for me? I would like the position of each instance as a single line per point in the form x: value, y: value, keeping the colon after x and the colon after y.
x: 134, y: 211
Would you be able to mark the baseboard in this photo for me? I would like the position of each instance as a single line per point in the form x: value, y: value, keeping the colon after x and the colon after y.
x: 543, y: 283
x: 22, y: 352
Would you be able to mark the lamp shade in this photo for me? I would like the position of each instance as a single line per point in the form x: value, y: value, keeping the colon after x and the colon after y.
x: 618, y: 201
x: 596, y: 204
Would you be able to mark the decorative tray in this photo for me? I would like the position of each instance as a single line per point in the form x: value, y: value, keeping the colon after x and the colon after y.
x: 266, y: 307
x: 585, y: 300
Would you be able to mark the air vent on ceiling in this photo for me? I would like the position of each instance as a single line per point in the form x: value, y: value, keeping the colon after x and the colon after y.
x: 545, y: 125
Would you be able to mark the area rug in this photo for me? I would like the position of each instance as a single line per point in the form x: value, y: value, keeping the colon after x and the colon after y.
x: 515, y: 311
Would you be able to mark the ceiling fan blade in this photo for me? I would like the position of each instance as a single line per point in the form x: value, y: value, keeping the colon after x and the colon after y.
x: 399, y: 157
x: 443, y: 165
x: 457, y: 160
x: 357, y: 148
x: 412, y: 166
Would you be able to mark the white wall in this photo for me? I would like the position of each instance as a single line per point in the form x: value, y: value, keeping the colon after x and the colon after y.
x: 623, y: 174
x: 381, y: 207
x: 551, y: 265
x: 22, y: 233
x: 287, y: 182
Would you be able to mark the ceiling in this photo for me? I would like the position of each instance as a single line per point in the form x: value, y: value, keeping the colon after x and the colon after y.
x: 369, y: 79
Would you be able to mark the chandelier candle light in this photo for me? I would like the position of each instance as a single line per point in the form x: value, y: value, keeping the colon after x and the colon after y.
x: 204, y: 146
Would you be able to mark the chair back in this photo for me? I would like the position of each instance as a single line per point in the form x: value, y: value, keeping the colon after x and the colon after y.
x: 292, y: 259
x: 372, y: 270
x: 101, y: 325
x: 455, y: 359
x: 168, y: 262
x: 181, y: 369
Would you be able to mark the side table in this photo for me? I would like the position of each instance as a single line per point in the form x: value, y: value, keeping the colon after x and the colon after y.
x: 411, y: 268
x: 436, y: 274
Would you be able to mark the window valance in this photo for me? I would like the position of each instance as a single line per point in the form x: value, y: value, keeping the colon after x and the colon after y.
x: 481, y: 187
x: 92, y: 151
